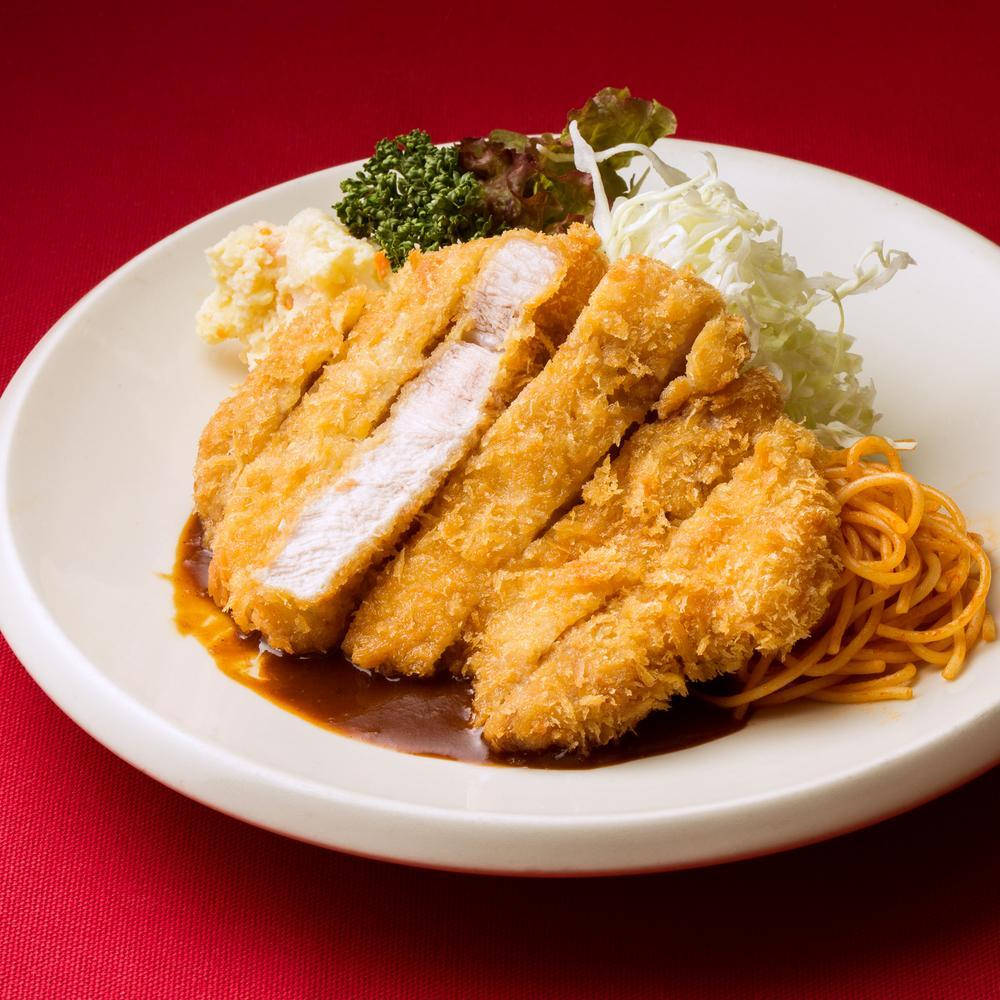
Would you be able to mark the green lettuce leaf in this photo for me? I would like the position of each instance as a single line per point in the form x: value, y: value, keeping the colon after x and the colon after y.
x: 612, y: 117
x: 533, y: 181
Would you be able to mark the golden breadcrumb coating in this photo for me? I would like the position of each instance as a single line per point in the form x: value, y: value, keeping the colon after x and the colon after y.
x: 715, y: 360
x: 244, y: 422
x: 664, y: 473
x: 631, y: 339
x: 752, y: 569
x: 666, y: 467
x: 542, y: 323
x: 585, y: 265
x: 305, y: 624
x: 386, y: 349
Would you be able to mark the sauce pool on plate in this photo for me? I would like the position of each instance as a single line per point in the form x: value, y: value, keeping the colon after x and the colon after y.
x: 430, y: 717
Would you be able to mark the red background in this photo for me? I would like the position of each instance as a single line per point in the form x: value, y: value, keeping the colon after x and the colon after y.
x: 118, y: 127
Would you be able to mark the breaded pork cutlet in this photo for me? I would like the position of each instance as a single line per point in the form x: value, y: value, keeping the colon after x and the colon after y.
x: 664, y: 473
x: 632, y: 338
x: 244, y: 422
x: 750, y: 570
x: 300, y: 587
x: 386, y: 348
x: 667, y: 467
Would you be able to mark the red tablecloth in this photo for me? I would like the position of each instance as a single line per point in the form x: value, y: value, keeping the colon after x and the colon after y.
x: 121, y: 126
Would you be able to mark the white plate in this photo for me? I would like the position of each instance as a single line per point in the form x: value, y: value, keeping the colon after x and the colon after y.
x: 97, y: 437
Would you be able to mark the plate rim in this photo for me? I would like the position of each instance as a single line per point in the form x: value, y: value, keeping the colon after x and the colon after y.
x: 146, y: 740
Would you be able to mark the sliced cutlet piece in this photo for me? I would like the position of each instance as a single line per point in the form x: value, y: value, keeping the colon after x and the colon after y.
x: 664, y: 473
x: 308, y: 584
x: 244, y: 422
x: 750, y: 570
x: 631, y: 339
x: 669, y: 466
x: 386, y: 348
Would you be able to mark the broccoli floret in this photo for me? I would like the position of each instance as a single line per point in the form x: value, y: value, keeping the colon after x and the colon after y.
x: 413, y: 194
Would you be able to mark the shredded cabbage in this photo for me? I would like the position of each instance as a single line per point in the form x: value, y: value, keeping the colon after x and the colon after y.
x: 699, y: 222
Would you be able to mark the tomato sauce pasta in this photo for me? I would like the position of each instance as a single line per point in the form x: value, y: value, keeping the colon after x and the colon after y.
x: 913, y: 591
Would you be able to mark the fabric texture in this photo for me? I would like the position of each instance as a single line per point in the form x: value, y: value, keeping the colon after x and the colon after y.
x: 121, y: 126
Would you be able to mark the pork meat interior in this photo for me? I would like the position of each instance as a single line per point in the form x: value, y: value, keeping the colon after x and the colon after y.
x: 300, y: 587
x: 245, y: 422
x: 630, y: 340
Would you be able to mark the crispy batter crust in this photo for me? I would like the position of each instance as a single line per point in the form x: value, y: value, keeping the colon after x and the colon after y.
x: 664, y: 473
x: 244, y: 422
x: 386, y: 348
x: 585, y: 265
x: 296, y: 625
x: 630, y: 340
x: 752, y: 569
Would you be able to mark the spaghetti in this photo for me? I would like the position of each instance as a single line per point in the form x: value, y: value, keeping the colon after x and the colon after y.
x: 913, y: 590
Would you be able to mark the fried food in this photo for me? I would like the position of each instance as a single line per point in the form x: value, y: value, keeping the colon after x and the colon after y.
x: 664, y: 473
x: 750, y: 570
x: 386, y: 348
x: 632, y: 338
x: 244, y: 422
x: 664, y: 468
x: 300, y: 587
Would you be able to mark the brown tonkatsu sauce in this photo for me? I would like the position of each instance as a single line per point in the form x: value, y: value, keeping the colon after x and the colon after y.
x: 428, y: 717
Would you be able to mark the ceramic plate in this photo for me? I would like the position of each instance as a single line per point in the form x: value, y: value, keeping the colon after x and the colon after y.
x: 97, y: 438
